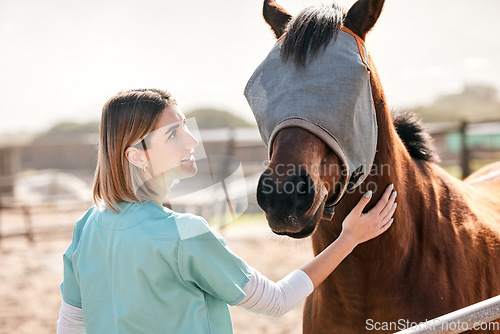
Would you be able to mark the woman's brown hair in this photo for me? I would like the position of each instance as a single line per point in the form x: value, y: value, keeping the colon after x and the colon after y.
x: 126, y: 119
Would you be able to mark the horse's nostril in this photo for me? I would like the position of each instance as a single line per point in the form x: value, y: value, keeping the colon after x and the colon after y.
x: 265, y: 189
x: 305, y: 193
x: 301, y: 187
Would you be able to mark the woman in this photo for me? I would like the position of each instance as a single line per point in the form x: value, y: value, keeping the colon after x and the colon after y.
x: 134, y: 266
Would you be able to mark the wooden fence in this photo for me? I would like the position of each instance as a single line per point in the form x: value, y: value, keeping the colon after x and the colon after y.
x: 463, y: 143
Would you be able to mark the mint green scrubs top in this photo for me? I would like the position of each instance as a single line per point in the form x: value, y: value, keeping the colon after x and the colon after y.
x: 150, y: 270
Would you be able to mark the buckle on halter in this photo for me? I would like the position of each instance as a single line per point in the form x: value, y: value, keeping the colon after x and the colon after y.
x: 329, y: 211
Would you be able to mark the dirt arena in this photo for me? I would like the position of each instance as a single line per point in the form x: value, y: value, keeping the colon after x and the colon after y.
x: 30, y: 272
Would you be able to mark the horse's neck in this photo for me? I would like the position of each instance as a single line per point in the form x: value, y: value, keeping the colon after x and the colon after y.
x: 375, y: 266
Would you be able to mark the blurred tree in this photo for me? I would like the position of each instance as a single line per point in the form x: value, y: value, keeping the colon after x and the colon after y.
x: 208, y: 118
x: 475, y: 102
x: 69, y: 129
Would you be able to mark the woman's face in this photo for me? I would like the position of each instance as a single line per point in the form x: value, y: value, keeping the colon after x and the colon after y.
x: 170, y: 146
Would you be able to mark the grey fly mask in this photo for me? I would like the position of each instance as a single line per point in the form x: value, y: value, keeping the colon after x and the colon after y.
x: 331, y: 98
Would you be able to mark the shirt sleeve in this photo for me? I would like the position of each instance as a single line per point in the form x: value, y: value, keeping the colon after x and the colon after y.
x: 206, y: 263
x: 70, y: 289
x: 70, y: 320
x: 272, y: 299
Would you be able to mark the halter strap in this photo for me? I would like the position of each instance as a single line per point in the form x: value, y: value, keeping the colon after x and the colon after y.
x: 361, y: 45
x: 329, y: 210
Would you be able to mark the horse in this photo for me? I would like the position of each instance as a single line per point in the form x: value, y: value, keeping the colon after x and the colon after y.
x: 442, y: 252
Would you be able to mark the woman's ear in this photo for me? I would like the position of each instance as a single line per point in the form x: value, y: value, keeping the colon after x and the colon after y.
x: 136, y: 157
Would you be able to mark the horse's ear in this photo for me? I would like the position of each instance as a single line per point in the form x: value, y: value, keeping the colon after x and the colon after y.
x: 276, y: 16
x: 363, y: 15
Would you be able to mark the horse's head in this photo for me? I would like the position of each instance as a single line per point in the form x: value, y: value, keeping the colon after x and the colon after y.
x: 313, y: 103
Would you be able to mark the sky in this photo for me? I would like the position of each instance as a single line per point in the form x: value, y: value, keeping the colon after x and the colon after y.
x: 60, y: 60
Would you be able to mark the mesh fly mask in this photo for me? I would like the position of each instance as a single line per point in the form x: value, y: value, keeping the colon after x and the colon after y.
x: 331, y: 98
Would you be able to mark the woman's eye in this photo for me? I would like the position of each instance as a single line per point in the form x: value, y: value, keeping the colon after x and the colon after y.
x: 172, y: 135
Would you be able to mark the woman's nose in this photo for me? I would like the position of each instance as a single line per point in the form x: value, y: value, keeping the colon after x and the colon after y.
x: 192, y: 142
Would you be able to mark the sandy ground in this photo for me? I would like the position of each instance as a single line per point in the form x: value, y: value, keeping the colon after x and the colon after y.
x: 30, y: 272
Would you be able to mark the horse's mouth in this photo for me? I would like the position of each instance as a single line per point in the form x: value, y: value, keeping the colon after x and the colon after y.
x: 309, y: 227
x: 299, y: 235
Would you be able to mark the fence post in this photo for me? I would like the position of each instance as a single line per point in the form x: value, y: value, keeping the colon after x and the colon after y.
x: 464, y: 151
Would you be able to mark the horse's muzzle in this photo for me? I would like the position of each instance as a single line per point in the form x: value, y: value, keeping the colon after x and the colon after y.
x: 286, y: 200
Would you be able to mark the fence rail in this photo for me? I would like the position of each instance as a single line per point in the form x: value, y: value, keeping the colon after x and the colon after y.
x: 478, y: 316
x: 458, y: 143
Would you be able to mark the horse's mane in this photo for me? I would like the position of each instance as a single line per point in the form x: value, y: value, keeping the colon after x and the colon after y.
x: 311, y: 30
x: 414, y: 135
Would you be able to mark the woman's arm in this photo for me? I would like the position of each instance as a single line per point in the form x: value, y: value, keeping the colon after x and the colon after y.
x: 266, y: 297
x: 263, y: 296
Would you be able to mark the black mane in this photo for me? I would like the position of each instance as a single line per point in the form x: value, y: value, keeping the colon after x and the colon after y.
x: 416, y: 138
x: 309, y: 32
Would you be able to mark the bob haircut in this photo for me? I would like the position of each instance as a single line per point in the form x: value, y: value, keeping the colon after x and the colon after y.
x: 126, y: 120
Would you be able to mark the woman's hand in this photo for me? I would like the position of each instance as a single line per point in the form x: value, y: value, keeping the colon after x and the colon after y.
x: 361, y: 227
x: 357, y: 227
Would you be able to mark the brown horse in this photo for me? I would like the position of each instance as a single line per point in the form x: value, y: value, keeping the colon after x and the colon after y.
x: 442, y: 252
